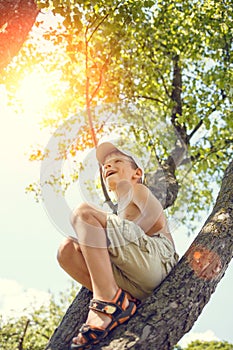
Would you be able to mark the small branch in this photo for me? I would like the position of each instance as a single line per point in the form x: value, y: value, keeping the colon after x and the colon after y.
x: 43, y: 335
x: 94, y: 21
x: 162, y: 78
x: 164, y: 84
x: 97, y: 27
x: 150, y: 98
x: 227, y: 46
x: 20, y: 347
x: 100, y: 23
x: 106, y: 195
x: 100, y: 79
x: 88, y: 100
x: 214, y: 109
x: 195, y: 159
x: 88, y: 105
x: 149, y: 138
x: 197, y: 127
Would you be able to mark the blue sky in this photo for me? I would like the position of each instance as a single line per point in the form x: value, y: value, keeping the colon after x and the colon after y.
x: 29, y: 240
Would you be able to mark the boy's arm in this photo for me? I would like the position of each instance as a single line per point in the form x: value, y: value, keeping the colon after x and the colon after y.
x: 152, y: 218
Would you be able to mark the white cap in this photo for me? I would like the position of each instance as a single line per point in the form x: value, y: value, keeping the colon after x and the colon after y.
x: 106, y: 148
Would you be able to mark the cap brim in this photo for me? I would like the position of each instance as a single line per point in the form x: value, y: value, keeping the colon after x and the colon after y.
x: 103, y: 150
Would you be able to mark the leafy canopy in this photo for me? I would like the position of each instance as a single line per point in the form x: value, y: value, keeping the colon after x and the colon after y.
x: 171, y: 59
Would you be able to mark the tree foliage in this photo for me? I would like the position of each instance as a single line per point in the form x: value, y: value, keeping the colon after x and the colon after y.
x: 209, y: 345
x: 33, y: 330
x: 172, y: 60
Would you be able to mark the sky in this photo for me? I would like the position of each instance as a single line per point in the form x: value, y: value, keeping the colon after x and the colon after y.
x: 29, y: 240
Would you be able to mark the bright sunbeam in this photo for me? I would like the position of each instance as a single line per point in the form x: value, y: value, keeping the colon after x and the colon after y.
x: 33, y: 93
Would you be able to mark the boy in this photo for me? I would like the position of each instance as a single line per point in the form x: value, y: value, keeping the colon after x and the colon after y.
x: 120, y: 258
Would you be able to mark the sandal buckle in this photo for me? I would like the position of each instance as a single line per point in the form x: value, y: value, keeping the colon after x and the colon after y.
x: 109, y: 309
x: 102, y: 306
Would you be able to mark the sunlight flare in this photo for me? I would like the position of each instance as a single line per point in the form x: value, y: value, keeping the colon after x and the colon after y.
x: 33, y: 93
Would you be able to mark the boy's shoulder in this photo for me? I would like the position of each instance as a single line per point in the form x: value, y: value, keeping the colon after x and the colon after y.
x: 141, y: 190
x: 141, y: 187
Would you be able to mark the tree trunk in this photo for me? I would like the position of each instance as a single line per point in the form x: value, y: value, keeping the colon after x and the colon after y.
x: 16, y: 20
x: 175, y: 305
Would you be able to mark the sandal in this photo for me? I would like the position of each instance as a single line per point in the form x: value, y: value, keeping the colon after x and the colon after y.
x: 115, y: 309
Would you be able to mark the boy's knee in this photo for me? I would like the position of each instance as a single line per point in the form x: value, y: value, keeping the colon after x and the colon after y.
x: 83, y: 213
x: 65, y: 251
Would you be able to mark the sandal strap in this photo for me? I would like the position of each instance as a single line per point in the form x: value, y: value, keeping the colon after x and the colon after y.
x: 113, y: 308
x: 90, y: 333
x: 104, y: 307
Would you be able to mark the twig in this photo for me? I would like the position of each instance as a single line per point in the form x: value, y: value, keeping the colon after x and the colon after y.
x: 195, y: 130
x: 100, y: 80
x: 150, y: 98
x: 20, y: 347
x: 161, y: 76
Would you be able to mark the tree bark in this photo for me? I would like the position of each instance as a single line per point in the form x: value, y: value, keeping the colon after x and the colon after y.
x: 175, y: 305
x: 16, y: 20
x: 163, y: 182
x: 158, y: 184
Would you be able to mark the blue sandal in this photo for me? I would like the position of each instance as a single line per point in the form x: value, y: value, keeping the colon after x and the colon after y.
x: 115, y: 309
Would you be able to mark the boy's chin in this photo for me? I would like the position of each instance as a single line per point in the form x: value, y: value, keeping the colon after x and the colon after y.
x: 119, y: 185
x: 112, y: 185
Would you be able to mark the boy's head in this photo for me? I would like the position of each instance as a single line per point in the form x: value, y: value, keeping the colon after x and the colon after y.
x: 109, y: 155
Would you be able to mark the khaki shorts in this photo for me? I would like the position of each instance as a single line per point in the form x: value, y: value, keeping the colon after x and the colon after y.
x: 139, y: 262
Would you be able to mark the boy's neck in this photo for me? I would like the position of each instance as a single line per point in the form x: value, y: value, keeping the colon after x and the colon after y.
x: 124, y: 191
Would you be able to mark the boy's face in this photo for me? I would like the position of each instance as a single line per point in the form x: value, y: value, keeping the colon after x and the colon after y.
x: 118, y: 167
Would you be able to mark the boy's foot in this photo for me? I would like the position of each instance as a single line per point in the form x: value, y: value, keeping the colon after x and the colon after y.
x: 102, y: 318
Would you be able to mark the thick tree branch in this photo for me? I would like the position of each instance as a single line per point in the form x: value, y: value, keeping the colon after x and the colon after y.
x: 176, y: 304
x: 162, y: 182
x: 177, y: 99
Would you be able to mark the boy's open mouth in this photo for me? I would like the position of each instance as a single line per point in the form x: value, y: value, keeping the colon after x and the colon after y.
x: 110, y: 172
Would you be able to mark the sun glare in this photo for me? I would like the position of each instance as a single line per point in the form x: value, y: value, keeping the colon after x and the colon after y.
x: 33, y: 92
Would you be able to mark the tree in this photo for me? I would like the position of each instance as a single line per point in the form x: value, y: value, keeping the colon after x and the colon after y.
x: 162, y: 62
x: 174, y: 59
x: 16, y: 20
x: 208, y: 345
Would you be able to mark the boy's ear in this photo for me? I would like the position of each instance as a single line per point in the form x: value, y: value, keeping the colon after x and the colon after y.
x: 138, y: 173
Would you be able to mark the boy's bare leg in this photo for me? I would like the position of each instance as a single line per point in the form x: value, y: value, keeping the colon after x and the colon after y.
x: 89, y: 225
x: 72, y: 261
